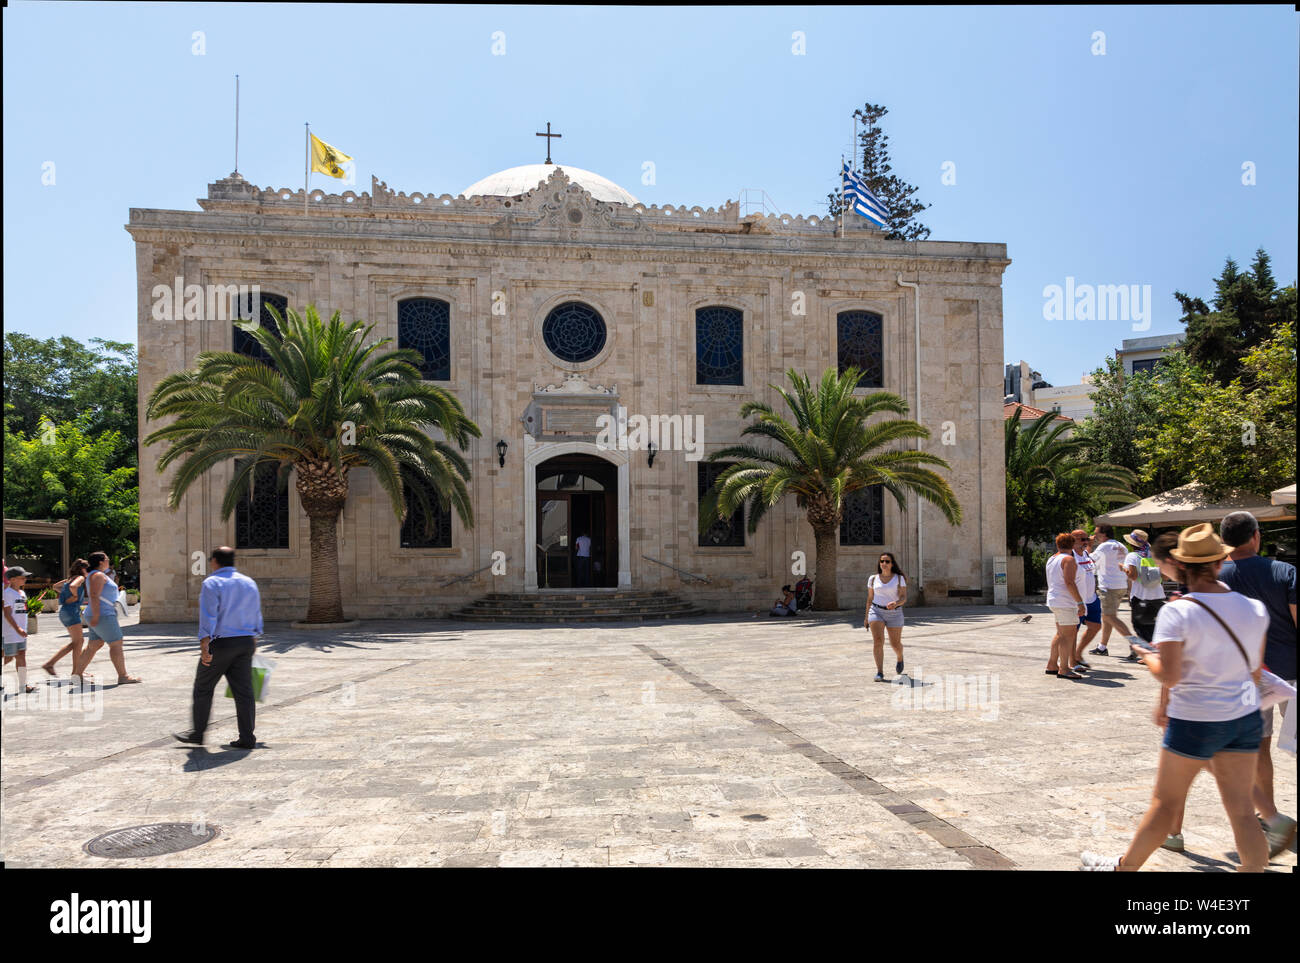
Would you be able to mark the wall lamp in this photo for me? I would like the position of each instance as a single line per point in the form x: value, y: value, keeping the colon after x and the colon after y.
x: 501, y: 452
x: 650, y: 460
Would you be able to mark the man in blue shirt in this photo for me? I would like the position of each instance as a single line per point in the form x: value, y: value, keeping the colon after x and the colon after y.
x: 230, y: 616
x: 1272, y: 582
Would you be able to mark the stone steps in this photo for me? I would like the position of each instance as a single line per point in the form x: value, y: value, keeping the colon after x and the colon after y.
x: 595, y: 606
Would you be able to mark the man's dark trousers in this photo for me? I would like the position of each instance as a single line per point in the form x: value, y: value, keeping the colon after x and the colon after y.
x: 233, y: 658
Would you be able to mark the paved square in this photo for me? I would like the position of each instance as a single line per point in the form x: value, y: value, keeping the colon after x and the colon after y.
x: 719, y: 741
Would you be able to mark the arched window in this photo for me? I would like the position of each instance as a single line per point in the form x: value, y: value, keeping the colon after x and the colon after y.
x: 719, y: 346
x: 574, y: 332
x: 424, y: 324
x: 245, y: 343
x: 262, y: 516
x: 721, y: 533
x: 864, y: 517
x: 860, y: 338
x: 419, y: 531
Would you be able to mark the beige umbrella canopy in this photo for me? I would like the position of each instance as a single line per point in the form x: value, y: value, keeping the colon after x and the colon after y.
x: 1187, y: 505
x: 1284, y: 496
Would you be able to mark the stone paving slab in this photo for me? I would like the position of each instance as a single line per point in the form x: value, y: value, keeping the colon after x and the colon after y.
x: 715, y: 741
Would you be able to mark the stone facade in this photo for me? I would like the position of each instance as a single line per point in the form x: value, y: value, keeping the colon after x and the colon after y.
x: 503, y: 263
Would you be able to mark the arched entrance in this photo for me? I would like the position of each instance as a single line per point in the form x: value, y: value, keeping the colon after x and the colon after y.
x: 576, y: 534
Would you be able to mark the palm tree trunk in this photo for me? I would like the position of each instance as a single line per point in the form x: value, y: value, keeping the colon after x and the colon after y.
x: 825, y: 587
x: 325, y: 603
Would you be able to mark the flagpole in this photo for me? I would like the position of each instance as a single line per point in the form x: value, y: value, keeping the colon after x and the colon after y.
x: 236, y: 123
x: 841, y: 195
x: 306, y: 167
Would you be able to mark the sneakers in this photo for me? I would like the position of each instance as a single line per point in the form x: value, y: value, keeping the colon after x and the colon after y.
x: 1094, y: 863
x: 880, y: 677
x: 1280, y: 834
x: 898, y: 667
x: 1174, y: 842
x: 1099, y: 650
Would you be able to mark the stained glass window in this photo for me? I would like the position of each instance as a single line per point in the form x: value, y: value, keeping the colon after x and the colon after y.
x: 719, y: 343
x: 245, y: 343
x: 262, y: 516
x: 414, y: 531
x: 574, y: 332
x: 864, y: 517
x: 424, y: 324
x: 720, y: 533
x: 861, y: 335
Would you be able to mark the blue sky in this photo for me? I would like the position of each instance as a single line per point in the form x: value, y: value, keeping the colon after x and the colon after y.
x: 1124, y: 168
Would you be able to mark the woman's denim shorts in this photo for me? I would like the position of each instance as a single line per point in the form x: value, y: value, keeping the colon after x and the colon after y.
x: 1201, y: 740
x: 108, y: 629
x: 70, y: 615
x: 892, y: 618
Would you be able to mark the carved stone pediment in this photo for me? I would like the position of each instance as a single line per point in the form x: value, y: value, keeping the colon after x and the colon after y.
x: 568, y: 410
x: 576, y: 384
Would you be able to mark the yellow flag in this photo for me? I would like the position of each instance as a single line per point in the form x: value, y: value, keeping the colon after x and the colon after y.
x: 326, y: 159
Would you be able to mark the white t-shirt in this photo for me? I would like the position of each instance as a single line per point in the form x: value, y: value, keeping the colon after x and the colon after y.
x: 1058, y: 591
x: 584, y: 546
x: 1089, y: 568
x: 17, y: 600
x: 1108, y: 556
x: 1139, y: 589
x: 886, y: 592
x: 1216, y: 685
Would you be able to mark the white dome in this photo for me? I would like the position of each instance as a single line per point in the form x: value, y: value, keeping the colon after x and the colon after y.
x: 521, y: 180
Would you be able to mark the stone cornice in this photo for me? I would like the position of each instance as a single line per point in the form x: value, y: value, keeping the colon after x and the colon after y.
x: 557, y: 213
x: 321, y: 235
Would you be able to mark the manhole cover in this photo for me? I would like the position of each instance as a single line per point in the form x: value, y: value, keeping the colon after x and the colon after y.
x: 152, y: 840
x: 755, y: 818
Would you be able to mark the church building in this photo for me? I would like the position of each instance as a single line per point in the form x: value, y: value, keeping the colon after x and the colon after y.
x: 555, y: 305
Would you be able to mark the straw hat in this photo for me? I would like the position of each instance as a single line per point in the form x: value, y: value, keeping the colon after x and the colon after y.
x: 1137, y: 538
x: 1199, y: 543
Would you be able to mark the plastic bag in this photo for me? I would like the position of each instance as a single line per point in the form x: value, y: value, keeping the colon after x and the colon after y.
x: 1286, y: 737
x: 262, y: 669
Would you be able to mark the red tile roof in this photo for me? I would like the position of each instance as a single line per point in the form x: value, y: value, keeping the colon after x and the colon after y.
x: 1028, y: 412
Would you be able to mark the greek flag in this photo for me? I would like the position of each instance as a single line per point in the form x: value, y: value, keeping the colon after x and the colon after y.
x: 860, y: 197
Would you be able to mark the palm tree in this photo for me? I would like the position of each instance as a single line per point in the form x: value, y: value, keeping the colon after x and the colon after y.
x: 829, y: 452
x: 1050, y: 482
x: 323, y: 403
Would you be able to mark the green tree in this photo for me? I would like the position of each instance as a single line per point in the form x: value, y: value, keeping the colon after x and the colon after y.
x: 829, y: 452
x: 1127, y: 411
x: 1052, y: 485
x: 62, y: 380
x: 66, y: 473
x: 1246, y: 310
x: 324, y: 404
x: 1235, y: 437
x: 894, y: 193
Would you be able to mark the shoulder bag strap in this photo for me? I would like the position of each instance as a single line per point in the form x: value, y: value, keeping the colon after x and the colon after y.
x: 1231, y: 633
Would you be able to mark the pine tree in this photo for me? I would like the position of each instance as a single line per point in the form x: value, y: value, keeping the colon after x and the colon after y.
x: 1248, y: 308
x: 895, y: 193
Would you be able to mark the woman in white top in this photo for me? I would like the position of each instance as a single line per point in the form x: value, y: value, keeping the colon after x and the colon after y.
x: 1065, y: 588
x: 886, y: 593
x: 1210, y: 650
